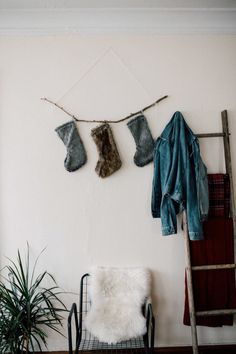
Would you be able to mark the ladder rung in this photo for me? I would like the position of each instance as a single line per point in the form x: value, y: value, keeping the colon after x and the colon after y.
x: 212, y: 135
x: 214, y: 266
x: 216, y: 312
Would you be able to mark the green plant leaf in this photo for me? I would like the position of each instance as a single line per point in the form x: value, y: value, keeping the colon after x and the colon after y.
x: 27, y: 307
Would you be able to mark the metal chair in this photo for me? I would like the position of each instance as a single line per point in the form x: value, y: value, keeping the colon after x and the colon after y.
x: 85, y: 341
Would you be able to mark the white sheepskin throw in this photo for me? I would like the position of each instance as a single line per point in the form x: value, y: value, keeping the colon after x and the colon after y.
x: 117, y: 296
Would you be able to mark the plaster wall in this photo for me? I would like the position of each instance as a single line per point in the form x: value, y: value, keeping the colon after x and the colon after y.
x: 82, y: 219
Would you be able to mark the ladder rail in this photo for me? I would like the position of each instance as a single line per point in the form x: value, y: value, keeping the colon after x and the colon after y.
x: 192, y: 313
x: 228, y: 167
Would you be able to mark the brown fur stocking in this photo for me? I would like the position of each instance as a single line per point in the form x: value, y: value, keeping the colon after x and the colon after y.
x: 109, y: 159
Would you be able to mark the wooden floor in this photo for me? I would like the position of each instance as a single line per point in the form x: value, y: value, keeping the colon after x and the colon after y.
x: 219, y: 349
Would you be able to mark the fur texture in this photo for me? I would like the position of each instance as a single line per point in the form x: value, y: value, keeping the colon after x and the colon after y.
x: 109, y: 159
x: 117, y: 296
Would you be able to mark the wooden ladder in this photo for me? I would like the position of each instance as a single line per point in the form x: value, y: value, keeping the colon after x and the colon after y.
x: 193, y: 314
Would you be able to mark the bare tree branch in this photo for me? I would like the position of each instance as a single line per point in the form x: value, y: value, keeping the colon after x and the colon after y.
x: 103, y: 121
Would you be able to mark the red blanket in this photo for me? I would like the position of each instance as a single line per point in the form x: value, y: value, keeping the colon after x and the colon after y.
x: 213, y: 289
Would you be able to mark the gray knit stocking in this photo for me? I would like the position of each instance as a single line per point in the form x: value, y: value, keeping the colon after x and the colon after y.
x: 144, y: 141
x: 76, y: 155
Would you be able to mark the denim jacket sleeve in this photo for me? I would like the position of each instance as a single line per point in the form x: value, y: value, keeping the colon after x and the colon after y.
x: 201, y: 183
x: 163, y: 206
x: 156, y: 183
x: 168, y: 216
x: 198, y: 198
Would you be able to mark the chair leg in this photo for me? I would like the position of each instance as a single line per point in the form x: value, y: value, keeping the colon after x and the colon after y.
x: 152, y: 335
x: 73, y: 311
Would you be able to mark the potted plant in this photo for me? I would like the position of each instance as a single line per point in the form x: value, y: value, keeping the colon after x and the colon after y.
x: 27, y: 308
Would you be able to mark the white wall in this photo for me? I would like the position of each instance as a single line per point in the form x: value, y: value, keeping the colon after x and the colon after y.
x: 82, y: 219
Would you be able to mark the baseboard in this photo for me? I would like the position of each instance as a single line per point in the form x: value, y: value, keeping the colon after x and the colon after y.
x: 203, y: 349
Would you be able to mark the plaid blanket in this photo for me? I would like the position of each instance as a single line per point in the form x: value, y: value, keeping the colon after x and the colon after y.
x: 219, y: 195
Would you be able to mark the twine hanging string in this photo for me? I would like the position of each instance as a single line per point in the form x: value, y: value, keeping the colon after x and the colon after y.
x: 77, y: 119
x: 90, y: 68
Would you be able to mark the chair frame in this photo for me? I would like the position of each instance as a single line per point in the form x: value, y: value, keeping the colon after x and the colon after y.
x: 148, y: 338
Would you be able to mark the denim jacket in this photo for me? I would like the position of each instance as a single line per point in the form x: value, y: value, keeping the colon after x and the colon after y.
x: 180, y: 179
